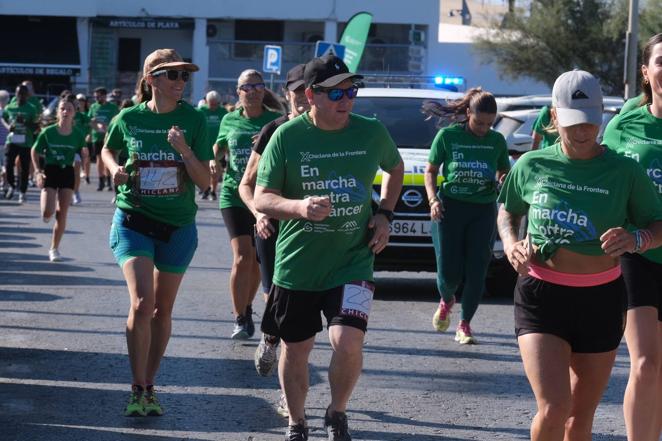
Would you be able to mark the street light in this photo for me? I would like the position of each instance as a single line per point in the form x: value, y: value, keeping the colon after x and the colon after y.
x: 631, y: 50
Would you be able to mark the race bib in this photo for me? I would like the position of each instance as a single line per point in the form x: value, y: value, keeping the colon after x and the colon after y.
x: 160, y: 178
x: 17, y: 138
x: 357, y: 299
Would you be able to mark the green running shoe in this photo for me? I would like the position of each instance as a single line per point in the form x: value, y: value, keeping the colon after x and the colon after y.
x: 152, y: 405
x: 136, y: 405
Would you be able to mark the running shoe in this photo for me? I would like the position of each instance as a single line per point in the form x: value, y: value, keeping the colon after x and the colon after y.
x: 213, y: 195
x: 31, y: 182
x: 136, y: 405
x: 102, y: 184
x: 336, y: 426
x: 77, y: 199
x: 10, y: 193
x: 54, y: 255
x: 442, y: 316
x: 152, y: 405
x: 87, y: 180
x: 463, y: 334
x: 281, y: 406
x: 250, y: 324
x: 297, y: 432
x: 265, y: 357
x: 239, y: 332
x: 21, y: 198
x: 204, y: 195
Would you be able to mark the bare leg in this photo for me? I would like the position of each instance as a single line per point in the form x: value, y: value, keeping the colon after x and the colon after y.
x: 346, y: 364
x: 546, y: 361
x: 48, y: 200
x: 641, y: 401
x: 166, y: 286
x: 243, y: 278
x: 139, y: 273
x: 64, y: 201
x: 293, y: 376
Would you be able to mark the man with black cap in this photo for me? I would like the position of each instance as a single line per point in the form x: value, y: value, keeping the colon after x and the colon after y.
x: 316, y: 176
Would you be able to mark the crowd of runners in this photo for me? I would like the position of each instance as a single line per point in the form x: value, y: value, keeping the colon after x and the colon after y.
x: 296, y: 199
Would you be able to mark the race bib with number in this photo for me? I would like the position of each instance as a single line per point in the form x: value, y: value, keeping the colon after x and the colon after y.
x: 357, y: 299
x: 160, y: 178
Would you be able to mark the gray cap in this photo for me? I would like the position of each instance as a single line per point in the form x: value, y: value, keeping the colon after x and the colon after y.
x: 577, y: 98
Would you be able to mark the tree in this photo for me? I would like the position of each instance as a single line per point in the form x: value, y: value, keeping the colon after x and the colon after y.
x: 554, y: 36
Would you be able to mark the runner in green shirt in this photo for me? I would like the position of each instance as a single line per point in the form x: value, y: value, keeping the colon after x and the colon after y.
x: 543, y: 135
x: 638, y: 134
x: 570, y: 297
x: 153, y: 235
x: 235, y: 137
x: 316, y: 176
x: 214, y: 113
x: 475, y: 160
x: 100, y: 114
x: 23, y: 120
x: 58, y: 144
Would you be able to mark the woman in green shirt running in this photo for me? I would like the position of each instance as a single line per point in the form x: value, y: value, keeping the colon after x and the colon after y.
x: 236, y: 136
x: 638, y: 135
x: 59, y: 144
x: 570, y: 296
x: 475, y: 159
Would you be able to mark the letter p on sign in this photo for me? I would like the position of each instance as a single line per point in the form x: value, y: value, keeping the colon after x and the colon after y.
x: 273, y: 59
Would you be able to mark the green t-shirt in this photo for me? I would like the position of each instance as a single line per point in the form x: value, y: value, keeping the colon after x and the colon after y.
x: 469, y: 163
x: 302, y: 160
x: 23, y: 121
x: 213, y: 118
x: 571, y: 203
x: 236, y: 134
x: 36, y: 103
x: 59, y: 149
x: 159, y: 186
x: 542, y: 122
x: 82, y: 122
x: 638, y: 135
x: 102, y: 113
x: 629, y: 105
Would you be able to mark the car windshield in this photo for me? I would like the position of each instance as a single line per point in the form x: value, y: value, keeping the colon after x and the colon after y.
x: 403, y: 119
x: 507, y: 125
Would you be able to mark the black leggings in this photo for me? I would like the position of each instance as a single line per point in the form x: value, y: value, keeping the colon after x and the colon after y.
x: 12, y: 152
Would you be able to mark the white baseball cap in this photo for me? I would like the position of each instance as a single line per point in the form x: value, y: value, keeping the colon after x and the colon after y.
x: 577, y: 98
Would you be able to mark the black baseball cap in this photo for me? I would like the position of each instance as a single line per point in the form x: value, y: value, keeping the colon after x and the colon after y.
x: 327, y: 71
x: 101, y: 91
x: 295, y: 77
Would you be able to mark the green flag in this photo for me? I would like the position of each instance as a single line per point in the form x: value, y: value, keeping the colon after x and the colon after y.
x: 354, y: 37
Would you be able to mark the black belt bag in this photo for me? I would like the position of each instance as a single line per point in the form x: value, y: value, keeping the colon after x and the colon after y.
x: 149, y: 227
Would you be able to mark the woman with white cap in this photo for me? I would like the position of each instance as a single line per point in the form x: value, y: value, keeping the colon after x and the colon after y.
x: 153, y: 235
x: 570, y: 296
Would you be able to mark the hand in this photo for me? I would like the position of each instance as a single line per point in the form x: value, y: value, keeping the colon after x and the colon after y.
x: 263, y: 226
x: 41, y: 179
x: 213, y: 167
x: 315, y: 208
x: 380, y: 225
x: 120, y: 176
x: 177, y: 140
x: 617, y: 241
x: 437, y: 210
x: 519, y: 255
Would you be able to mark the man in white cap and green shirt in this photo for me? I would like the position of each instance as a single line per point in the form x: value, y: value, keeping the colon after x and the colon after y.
x: 316, y: 176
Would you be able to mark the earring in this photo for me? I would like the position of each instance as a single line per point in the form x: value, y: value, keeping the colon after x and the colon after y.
x: 645, y: 80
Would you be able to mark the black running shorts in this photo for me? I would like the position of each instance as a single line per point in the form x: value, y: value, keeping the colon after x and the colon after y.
x: 239, y: 221
x: 643, y: 282
x: 59, y: 177
x: 591, y: 319
x: 295, y: 316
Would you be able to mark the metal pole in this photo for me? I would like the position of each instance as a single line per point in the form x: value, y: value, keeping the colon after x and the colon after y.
x: 271, y: 82
x: 631, y: 50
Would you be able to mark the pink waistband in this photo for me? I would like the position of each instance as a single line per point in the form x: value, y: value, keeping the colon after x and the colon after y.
x: 576, y: 280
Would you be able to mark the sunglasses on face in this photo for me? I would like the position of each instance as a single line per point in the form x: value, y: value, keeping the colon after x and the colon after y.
x: 173, y: 75
x: 249, y: 87
x: 336, y: 94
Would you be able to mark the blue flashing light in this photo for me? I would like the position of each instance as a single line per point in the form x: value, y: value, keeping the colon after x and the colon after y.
x: 438, y: 80
x: 442, y: 80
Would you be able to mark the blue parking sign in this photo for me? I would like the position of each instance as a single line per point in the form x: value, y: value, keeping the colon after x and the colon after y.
x: 273, y: 59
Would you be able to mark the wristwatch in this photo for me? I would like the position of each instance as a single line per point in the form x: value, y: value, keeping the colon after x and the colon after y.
x: 388, y: 214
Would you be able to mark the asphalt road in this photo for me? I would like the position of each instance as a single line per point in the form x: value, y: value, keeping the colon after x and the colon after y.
x: 64, y: 372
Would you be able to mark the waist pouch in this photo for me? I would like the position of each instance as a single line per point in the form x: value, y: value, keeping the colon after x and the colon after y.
x: 147, y: 226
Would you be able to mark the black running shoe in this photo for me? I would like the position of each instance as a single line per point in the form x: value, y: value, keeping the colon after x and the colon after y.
x: 239, y: 332
x: 250, y: 324
x: 335, y: 424
x: 297, y: 432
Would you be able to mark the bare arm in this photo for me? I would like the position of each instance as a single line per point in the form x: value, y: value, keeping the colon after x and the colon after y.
x: 273, y: 204
x: 517, y: 251
x: 198, y: 171
x: 430, y: 179
x: 391, y: 187
x: 35, y: 159
x: 247, y: 183
x: 617, y: 241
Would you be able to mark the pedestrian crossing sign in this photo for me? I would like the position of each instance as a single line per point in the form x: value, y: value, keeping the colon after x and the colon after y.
x: 323, y: 48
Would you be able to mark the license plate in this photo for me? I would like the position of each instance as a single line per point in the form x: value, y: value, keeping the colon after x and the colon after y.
x: 410, y: 228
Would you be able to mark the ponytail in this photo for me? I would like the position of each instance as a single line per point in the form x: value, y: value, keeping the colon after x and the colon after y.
x: 272, y: 102
x: 143, y: 91
x: 476, y: 100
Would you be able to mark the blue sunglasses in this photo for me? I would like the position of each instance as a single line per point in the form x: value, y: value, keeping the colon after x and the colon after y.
x: 336, y: 94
